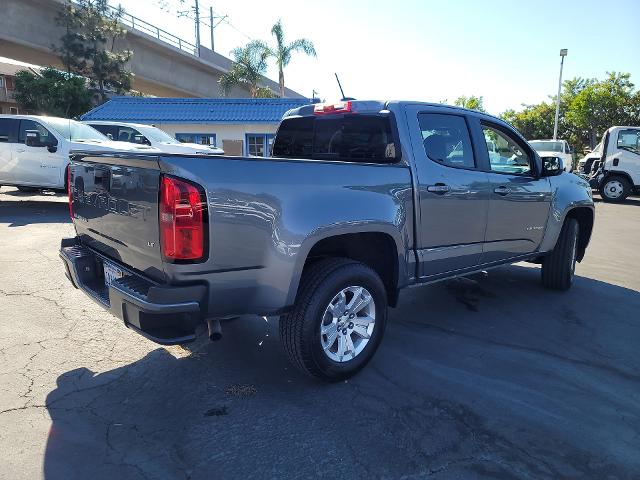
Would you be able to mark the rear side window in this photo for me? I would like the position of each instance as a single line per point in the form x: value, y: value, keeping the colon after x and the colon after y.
x: 356, y: 138
x: 8, y: 130
x: 446, y: 139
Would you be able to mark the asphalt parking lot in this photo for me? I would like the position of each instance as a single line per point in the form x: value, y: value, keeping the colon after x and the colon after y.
x: 488, y: 377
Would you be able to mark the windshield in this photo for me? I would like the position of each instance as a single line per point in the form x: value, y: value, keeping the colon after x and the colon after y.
x: 543, y: 146
x: 75, y: 131
x: 629, y: 140
x: 156, y: 135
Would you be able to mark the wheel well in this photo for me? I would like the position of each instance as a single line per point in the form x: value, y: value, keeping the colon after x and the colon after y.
x: 618, y: 173
x: 377, y: 250
x: 584, y: 216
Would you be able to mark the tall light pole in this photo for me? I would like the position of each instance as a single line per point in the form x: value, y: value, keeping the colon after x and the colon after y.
x: 563, y: 53
x: 197, y: 12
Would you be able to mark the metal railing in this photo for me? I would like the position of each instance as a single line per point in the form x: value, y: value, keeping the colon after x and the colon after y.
x: 140, y: 25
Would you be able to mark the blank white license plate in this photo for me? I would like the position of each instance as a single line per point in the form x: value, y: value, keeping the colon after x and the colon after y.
x: 111, y: 273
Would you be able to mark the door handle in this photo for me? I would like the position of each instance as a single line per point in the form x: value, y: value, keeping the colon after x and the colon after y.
x: 439, y: 188
x: 19, y: 150
x: 502, y: 190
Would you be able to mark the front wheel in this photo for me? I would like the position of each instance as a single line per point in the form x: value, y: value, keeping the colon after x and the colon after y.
x: 615, y: 189
x: 559, y: 267
x: 338, y: 320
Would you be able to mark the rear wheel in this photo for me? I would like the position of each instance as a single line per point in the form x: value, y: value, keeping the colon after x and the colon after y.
x: 615, y: 189
x: 338, y: 320
x: 559, y: 267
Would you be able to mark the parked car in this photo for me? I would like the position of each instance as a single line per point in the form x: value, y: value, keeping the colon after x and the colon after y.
x: 364, y: 199
x: 557, y: 148
x: 617, y: 173
x: 150, y: 135
x: 585, y: 164
x: 34, y: 150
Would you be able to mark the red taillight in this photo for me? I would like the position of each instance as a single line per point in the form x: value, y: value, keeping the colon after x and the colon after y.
x: 326, y: 108
x: 70, y: 191
x: 182, y: 220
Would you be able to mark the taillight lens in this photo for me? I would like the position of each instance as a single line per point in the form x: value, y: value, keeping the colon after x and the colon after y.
x: 183, y: 215
x: 70, y: 191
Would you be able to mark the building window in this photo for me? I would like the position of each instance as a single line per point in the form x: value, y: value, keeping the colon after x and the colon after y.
x: 1, y: 81
x: 259, y: 144
x: 200, y: 138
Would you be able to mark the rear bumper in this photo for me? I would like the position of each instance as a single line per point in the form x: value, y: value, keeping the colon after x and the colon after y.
x: 167, y: 315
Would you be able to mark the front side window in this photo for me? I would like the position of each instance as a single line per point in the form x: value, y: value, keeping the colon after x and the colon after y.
x: 507, y: 155
x: 46, y: 137
x: 255, y: 145
x: 446, y: 139
x: 629, y: 140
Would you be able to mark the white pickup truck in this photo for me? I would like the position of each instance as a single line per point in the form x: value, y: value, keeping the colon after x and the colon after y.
x: 617, y: 173
x: 555, y: 148
x: 34, y: 150
x: 152, y: 136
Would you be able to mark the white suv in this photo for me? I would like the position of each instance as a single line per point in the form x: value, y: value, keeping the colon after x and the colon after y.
x: 34, y: 150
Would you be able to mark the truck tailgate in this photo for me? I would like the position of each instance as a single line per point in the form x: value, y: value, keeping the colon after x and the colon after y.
x: 115, y: 208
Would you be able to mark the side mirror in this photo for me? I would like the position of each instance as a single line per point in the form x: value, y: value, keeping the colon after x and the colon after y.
x: 32, y: 138
x: 551, y: 166
x: 109, y: 136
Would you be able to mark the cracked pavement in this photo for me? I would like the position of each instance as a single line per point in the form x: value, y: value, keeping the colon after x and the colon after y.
x: 486, y: 377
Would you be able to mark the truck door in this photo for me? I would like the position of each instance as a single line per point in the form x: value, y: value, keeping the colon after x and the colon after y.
x: 452, y: 191
x: 36, y: 166
x: 519, y: 200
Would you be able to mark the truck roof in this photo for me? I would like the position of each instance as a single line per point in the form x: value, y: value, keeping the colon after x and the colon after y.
x: 375, y: 106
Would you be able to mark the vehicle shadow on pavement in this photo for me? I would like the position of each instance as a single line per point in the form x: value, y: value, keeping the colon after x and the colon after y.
x: 27, y: 212
x: 485, y: 377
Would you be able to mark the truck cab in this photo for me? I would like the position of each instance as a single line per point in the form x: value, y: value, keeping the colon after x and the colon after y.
x: 617, y: 174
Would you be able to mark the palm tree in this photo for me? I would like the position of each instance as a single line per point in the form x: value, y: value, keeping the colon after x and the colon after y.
x: 282, y: 53
x: 248, y: 69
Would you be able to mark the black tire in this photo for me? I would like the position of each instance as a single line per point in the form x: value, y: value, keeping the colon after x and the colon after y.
x: 558, y: 268
x: 300, y: 328
x: 612, y: 185
x: 27, y: 189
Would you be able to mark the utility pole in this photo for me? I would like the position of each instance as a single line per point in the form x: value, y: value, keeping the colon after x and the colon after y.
x: 563, y: 53
x: 211, y: 25
x: 197, y: 12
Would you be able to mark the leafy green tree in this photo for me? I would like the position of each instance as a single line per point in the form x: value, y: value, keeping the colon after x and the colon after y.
x: 471, y: 102
x: 88, y: 46
x: 52, y: 92
x: 587, y: 108
x: 601, y: 105
x: 247, y: 71
x: 283, y: 51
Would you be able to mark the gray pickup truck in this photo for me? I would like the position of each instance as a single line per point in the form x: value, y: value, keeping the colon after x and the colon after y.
x: 360, y: 200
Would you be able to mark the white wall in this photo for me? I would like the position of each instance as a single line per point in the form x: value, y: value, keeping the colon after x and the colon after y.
x: 222, y: 131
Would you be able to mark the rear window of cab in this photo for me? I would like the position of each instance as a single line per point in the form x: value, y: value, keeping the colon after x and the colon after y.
x: 347, y: 137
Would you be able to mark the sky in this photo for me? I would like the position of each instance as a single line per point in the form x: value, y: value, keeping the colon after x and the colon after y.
x: 505, y: 51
